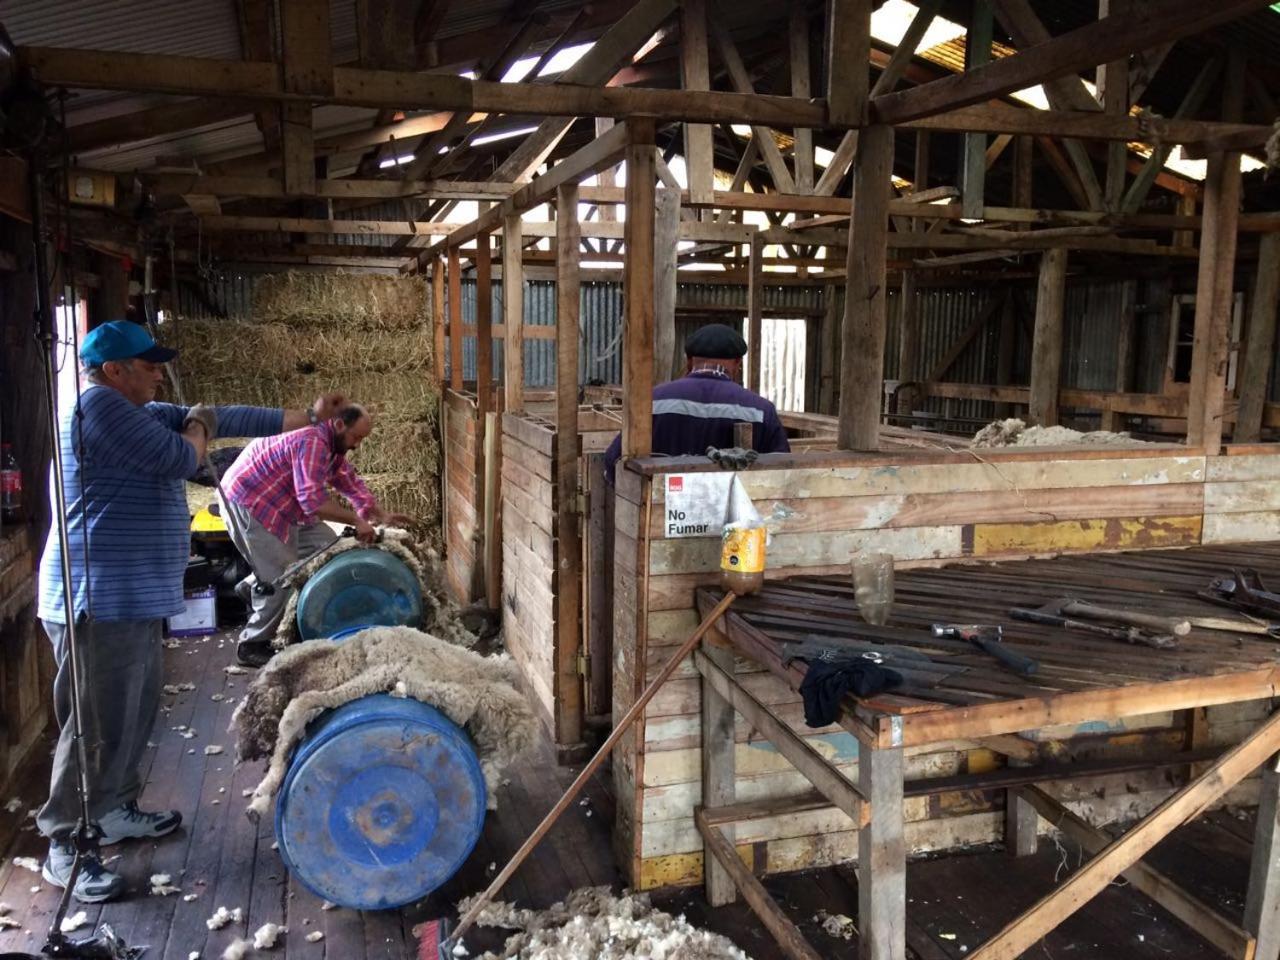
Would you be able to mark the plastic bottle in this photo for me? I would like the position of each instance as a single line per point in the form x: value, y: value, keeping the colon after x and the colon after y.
x: 743, y: 540
x: 10, y: 485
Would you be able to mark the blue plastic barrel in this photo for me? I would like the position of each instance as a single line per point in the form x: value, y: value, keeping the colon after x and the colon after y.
x: 359, y: 588
x: 383, y: 801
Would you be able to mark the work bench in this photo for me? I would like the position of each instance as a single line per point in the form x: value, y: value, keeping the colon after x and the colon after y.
x: 961, y: 693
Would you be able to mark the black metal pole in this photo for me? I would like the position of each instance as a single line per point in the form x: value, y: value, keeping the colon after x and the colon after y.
x: 56, y: 942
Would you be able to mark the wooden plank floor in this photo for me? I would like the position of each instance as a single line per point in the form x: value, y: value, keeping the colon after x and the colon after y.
x: 223, y: 859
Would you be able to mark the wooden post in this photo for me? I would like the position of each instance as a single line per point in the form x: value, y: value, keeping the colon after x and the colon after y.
x: 848, y: 53
x: 920, y: 164
x: 637, y: 292
x: 438, y: 317
x: 1213, y: 302
x: 863, y: 338
x: 1259, y: 343
x: 829, y: 360
x: 718, y: 770
x: 755, y: 311
x: 513, y: 314
x: 882, y: 857
x: 1113, y: 91
x: 1005, y: 351
x: 455, y: 320
x: 1186, y: 208
x: 486, y: 529
x: 1023, y: 158
x: 1126, y: 336
x: 484, y: 324
x: 977, y: 53
x: 1046, y: 345
x: 1021, y: 822
x: 1262, y: 901
x: 306, y: 68
x: 666, y: 228
x: 699, y: 147
x: 798, y: 32
x: 908, y: 346
x: 568, y: 682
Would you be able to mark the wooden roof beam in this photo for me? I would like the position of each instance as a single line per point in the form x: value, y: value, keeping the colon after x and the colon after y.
x: 1099, y: 42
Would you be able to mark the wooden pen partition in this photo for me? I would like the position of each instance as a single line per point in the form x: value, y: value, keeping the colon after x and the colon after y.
x: 926, y: 509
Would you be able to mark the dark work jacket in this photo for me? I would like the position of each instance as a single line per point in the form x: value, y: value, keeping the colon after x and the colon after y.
x: 699, y: 411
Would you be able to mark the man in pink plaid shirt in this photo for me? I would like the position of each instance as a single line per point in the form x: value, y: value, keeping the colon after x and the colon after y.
x: 277, y: 493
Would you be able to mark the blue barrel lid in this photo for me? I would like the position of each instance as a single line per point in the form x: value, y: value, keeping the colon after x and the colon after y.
x: 359, y: 588
x: 383, y: 802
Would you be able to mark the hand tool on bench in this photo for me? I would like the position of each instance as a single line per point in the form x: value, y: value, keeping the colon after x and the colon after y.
x: 1243, y: 590
x: 1051, y: 618
x: 1249, y: 624
x: 1081, y: 610
x: 436, y: 933
x: 990, y: 639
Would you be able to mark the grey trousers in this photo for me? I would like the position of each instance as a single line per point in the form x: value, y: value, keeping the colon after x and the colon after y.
x: 268, y: 555
x: 122, y: 670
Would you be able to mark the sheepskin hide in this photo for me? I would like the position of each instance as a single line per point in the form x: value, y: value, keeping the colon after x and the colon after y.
x: 477, y: 693
x: 439, y: 613
x: 592, y: 924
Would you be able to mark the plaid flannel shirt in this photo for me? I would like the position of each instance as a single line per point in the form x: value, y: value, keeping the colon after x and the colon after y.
x: 283, y: 480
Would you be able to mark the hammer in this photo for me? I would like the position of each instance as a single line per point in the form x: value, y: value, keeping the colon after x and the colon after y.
x: 1059, y: 614
x: 989, y: 638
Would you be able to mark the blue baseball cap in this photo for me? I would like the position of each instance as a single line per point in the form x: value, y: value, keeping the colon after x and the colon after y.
x: 122, y: 340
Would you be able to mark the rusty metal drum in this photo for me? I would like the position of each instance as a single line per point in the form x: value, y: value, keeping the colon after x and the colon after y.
x: 383, y: 802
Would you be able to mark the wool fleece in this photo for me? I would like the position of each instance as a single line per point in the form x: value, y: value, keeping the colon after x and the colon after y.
x: 593, y: 924
x: 301, y: 682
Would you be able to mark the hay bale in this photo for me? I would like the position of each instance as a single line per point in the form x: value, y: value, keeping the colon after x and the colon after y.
x: 367, y: 336
x: 346, y: 299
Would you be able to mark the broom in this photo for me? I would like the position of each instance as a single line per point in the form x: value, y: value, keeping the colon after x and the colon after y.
x: 437, y: 938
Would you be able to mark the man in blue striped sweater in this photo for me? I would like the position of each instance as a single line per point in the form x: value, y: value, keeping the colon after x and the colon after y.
x: 126, y: 458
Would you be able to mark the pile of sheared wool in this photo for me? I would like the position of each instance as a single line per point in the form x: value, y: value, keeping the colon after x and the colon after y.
x: 592, y: 924
x: 1016, y: 433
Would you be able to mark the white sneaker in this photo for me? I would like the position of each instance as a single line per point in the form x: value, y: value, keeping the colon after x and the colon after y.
x: 131, y: 823
x: 94, y: 884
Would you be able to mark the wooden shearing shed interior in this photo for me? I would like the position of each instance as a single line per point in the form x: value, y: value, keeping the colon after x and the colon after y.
x: 1009, y: 272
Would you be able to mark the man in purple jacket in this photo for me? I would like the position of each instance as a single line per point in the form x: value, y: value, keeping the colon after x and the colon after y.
x: 699, y: 410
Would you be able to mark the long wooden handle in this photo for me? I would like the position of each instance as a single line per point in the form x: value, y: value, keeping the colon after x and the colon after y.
x: 637, y: 708
x: 1144, y: 620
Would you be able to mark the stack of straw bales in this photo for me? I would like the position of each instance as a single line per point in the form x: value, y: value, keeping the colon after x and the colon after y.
x: 367, y: 336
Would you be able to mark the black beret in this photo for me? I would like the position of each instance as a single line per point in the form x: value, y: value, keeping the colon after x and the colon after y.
x: 715, y: 341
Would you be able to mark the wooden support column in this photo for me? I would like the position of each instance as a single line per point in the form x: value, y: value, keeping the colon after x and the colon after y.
x: 1023, y: 158
x: 882, y: 857
x: 755, y: 311
x: 864, y: 332
x: 801, y: 87
x: 513, y: 314
x: 1113, y: 91
x: 1021, y: 822
x: 1213, y: 302
x: 665, y: 231
x: 568, y: 682
x: 637, y: 292
x: 695, y: 71
x: 484, y: 324
x: 829, y: 360
x: 719, y: 773
x: 1005, y: 351
x: 307, y: 68
x: 848, y: 53
x: 977, y: 53
x: 1262, y: 901
x: 455, y: 319
x: 908, y: 397
x: 1260, y: 342
x: 438, y: 317
x: 1126, y: 340
x: 486, y: 530
x: 1046, y: 345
